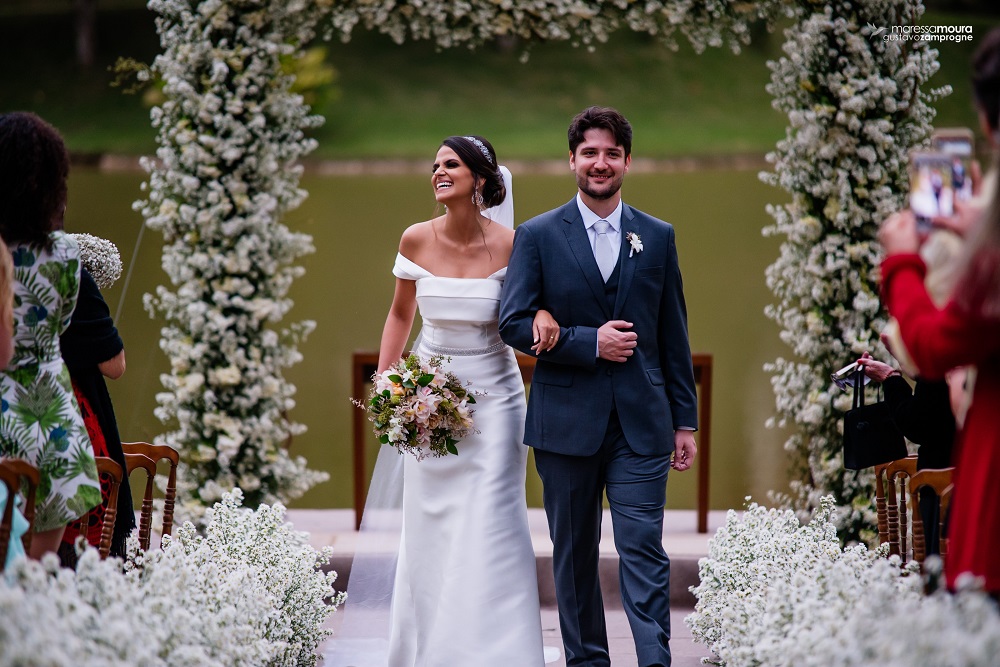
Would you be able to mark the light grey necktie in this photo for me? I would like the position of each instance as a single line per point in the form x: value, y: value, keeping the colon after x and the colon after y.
x: 603, y: 251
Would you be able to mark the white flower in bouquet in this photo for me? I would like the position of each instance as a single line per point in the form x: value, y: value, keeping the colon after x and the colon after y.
x: 419, y: 408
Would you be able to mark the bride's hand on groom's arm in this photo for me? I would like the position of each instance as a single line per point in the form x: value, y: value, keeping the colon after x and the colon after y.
x: 614, y: 343
x: 545, y: 332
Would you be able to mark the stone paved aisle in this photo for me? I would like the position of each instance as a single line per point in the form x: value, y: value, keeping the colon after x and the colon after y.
x: 685, y: 652
x: 335, y: 528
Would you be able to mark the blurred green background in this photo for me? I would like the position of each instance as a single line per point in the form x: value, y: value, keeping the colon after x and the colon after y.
x: 706, y: 116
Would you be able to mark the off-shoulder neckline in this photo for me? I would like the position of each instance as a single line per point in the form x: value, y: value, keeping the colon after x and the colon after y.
x: 493, y: 275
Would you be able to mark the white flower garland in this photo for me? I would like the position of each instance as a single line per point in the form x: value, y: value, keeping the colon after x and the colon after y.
x: 472, y: 22
x: 230, y: 134
x: 856, y: 108
x: 778, y: 593
x: 249, y: 593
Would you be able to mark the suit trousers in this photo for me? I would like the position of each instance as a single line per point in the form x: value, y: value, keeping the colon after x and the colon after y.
x: 573, y: 490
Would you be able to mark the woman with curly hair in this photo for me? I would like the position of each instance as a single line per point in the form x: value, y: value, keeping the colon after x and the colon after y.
x: 39, y: 417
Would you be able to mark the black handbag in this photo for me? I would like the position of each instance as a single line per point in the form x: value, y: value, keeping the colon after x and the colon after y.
x: 870, y: 434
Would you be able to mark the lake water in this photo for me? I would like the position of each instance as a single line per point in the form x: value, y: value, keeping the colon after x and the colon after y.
x: 356, y: 221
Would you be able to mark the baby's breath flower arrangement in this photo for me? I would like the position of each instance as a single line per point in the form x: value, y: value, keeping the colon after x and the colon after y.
x: 248, y: 593
x: 419, y: 408
x: 708, y: 23
x: 101, y: 259
x: 856, y: 106
x: 777, y: 592
x: 230, y: 134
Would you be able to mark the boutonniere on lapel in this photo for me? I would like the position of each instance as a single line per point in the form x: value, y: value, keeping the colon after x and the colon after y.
x: 635, y: 243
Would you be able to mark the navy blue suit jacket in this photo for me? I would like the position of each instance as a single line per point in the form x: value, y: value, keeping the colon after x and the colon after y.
x: 552, y: 267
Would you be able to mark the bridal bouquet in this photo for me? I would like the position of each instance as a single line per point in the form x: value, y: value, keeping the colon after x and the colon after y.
x: 419, y: 408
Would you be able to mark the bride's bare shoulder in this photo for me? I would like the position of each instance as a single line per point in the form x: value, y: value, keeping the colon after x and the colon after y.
x: 416, y: 237
x: 505, y: 233
x: 501, y: 236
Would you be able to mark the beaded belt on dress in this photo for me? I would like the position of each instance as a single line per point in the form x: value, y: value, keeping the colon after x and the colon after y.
x: 463, y: 351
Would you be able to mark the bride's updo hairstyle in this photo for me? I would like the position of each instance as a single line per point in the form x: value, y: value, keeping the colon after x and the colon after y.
x: 478, y: 155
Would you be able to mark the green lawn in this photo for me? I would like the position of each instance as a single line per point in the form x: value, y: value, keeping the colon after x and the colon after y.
x: 400, y: 101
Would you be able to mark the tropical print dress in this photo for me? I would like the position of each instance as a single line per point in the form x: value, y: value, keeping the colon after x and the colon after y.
x: 39, y: 418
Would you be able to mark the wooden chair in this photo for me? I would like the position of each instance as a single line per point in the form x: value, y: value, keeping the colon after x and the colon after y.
x: 12, y: 471
x: 890, y: 506
x: 939, y: 481
x: 113, y: 471
x: 144, y: 455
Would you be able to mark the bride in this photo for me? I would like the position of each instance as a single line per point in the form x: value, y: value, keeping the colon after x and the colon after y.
x: 464, y: 591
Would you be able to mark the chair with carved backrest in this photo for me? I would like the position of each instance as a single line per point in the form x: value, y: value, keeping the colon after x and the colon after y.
x: 890, y: 505
x: 939, y: 481
x: 144, y: 455
x: 107, y: 467
x: 12, y: 472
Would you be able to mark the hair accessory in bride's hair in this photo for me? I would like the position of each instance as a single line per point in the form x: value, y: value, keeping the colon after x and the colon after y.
x: 482, y: 148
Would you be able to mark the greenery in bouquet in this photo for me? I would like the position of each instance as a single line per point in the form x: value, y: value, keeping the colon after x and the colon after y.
x: 420, y: 408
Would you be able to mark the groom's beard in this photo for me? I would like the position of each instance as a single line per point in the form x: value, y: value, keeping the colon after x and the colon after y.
x: 604, y: 191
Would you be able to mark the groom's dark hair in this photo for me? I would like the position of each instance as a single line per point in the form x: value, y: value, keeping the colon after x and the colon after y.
x: 604, y: 118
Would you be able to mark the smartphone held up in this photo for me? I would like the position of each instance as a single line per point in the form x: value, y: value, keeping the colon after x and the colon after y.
x: 941, y: 176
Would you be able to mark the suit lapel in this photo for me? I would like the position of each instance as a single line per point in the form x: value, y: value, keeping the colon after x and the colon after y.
x: 579, y: 243
x: 630, y: 225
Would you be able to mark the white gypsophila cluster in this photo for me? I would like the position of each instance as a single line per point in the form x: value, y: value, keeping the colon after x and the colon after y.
x: 230, y: 136
x: 101, y: 259
x: 251, y: 592
x: 712, y: 23
x: 779, y: 593
x: 855, y: 107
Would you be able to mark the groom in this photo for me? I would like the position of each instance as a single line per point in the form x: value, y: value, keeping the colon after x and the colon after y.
x: 615, y: 397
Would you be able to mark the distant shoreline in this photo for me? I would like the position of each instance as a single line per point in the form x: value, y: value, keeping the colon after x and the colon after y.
x: 114, y: 163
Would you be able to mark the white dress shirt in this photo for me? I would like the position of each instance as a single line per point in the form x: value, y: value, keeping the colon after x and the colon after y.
x: 614, y: 231
x: 614, y: 220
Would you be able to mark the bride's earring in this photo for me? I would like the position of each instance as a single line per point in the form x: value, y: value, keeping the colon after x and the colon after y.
x: 477, y: 198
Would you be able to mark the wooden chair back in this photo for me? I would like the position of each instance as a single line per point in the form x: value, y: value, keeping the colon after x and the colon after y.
x: 939, y: 481
x: 107, y: 467
x: 12, y: 471
x: 134, y: 462
x: 146, y: 456
x: 890, y: 503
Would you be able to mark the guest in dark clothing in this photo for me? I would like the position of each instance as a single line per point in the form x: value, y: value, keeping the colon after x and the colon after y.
x: 924, y: 417
x: 93, y: 350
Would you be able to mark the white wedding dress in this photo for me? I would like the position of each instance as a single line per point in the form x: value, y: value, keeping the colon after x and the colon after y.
x: 465, y: 592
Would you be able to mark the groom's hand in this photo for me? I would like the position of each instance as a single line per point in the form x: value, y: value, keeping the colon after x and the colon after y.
x: 684, y: 451
x: 613, y: 343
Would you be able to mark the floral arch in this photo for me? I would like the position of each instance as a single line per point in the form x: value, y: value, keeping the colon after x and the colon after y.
x: 231, y: 133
